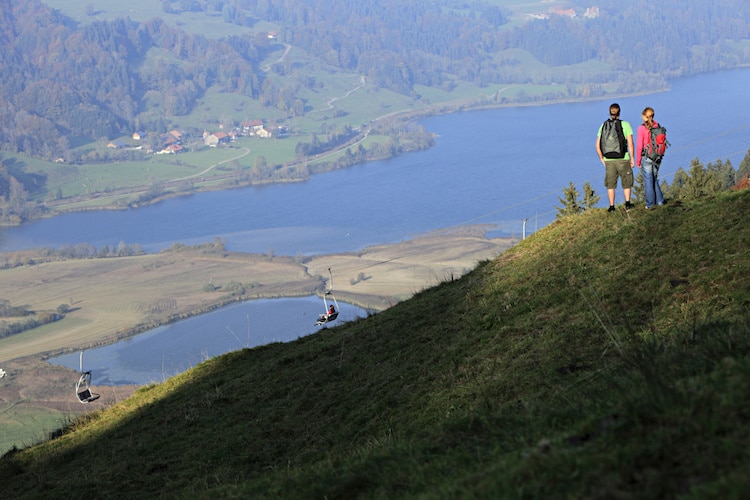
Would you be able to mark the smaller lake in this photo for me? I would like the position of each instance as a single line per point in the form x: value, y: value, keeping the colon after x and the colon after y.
x: 163, y: 352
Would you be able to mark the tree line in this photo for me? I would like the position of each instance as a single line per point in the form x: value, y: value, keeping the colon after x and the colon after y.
x: 698, y: 181
x: 434, y: 43
x: 59, y: 80
x: 10, y: 260
x: 19, y: 318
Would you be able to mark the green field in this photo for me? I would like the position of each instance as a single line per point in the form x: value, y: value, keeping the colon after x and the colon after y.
x: 143, y: 10
x: 24, y: 426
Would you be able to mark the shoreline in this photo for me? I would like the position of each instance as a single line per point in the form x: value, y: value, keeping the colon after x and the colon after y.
x: 408, y: 116
x: 146, y: 291
x: 375, y: 278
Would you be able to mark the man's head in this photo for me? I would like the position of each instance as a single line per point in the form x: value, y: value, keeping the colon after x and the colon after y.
x: 614, y: 110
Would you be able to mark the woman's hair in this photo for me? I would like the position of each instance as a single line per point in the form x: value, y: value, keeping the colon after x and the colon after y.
x: 648, y: 120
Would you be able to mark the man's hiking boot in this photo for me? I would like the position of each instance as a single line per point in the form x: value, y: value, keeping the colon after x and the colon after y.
x: 628, y: 205
x: 611, y: 208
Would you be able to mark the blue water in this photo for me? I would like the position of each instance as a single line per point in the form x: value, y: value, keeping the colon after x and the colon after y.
x: 168, y: 350
x: 494, y: 167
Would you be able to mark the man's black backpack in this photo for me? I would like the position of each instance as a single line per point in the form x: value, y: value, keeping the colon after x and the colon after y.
x: 612, y: 141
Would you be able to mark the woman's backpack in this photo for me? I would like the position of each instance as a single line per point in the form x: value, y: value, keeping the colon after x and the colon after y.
x: 656, y: 147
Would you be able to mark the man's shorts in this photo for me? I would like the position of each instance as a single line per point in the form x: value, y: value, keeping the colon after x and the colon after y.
x: 615, y: 169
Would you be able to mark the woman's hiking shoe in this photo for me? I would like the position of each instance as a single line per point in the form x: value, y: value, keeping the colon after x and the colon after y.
x: 611, y: 208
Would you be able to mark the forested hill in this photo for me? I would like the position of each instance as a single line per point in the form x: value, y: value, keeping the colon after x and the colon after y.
x: 432, y: 43
x: 60, y: 79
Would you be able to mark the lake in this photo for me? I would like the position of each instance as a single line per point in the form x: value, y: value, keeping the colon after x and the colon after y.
x: 168, y: 350
x: 497, y: 167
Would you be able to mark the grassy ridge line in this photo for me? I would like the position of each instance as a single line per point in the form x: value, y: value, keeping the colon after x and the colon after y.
x: 606, y: 356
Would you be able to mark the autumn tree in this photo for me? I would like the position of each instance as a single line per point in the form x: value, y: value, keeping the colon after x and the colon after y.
x: 744, y: 170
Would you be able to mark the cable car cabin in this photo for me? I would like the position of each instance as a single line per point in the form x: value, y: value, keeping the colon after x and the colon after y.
x: 83, y: 389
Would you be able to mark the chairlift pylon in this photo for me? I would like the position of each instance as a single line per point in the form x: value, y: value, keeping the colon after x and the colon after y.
x: 83, y: 386
x: 332, y: 310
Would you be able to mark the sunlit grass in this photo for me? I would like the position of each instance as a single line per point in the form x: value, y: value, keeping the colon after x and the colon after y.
x: 25, y: 426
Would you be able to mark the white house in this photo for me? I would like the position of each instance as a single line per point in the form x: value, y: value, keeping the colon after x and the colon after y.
x: 215, y: 139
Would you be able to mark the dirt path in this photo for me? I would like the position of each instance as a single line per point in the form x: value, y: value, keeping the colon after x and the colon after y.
x: 199, y: 174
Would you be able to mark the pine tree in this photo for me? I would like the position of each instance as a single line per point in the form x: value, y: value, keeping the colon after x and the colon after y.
x: 702, y: 181
x: 679, y: 180
x: 590, y: 198
x: 724, y: 172
x: 571, y: 202
x: 665, y: 189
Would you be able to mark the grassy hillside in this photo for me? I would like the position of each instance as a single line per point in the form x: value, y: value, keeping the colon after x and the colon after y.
x: 607, y: 356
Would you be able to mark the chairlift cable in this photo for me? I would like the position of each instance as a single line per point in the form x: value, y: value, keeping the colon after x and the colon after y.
x: 528, y: 200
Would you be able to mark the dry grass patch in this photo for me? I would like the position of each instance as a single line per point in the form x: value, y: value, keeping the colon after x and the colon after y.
x: 383, y: 275
x: 109, y: 297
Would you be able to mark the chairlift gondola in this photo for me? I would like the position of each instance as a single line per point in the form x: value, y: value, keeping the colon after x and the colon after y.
x: 332, y: 309
x: 83, y: 386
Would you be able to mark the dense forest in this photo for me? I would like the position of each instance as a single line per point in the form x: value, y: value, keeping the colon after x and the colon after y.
x: 60, y: 80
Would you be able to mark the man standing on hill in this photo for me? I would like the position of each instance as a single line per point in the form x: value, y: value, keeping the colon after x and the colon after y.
x: 614, y: 144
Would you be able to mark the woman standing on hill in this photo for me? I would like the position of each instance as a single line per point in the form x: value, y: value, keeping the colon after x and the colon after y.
x: 649, y: 167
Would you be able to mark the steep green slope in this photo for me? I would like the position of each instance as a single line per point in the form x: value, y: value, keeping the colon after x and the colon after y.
x: 607, y: 356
